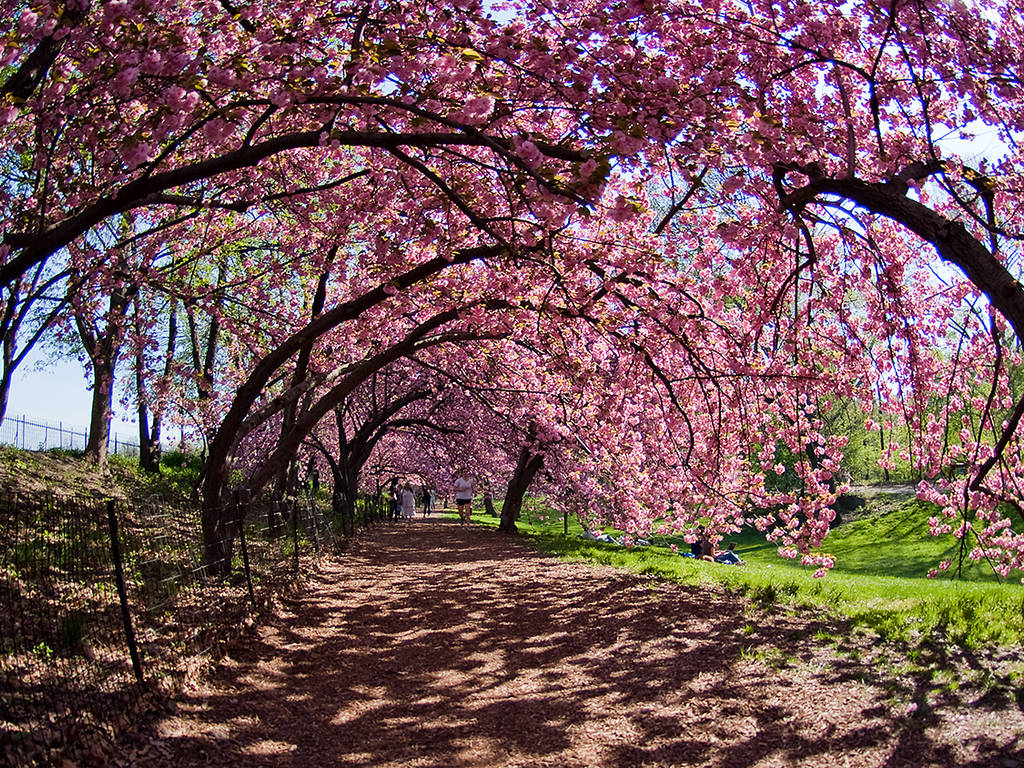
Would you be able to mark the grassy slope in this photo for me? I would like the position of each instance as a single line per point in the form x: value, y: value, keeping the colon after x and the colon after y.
x: 879, y: 580
x: 66, y: 473
x: 891, y: 541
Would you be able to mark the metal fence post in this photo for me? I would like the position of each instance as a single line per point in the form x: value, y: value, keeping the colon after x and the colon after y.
x: 313, y: 521
x: 295, y: 534
x: 115, y: 551
x: 240, y: 516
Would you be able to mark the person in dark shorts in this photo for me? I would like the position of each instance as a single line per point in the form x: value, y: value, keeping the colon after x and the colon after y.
x: 464, y: 495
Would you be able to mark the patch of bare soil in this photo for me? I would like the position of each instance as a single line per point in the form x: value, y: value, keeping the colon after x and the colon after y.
x: 435, y: 645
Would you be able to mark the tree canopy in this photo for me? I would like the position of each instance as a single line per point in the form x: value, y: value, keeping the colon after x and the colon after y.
x: 655, y: 244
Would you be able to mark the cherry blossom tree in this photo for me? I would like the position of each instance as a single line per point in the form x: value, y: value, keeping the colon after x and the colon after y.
x: 151, y: 386
x: 685, y: 231
x: 407, y: 417
x: 844, y: 125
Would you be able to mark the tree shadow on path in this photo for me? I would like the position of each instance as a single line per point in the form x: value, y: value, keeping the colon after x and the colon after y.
x: 436, y: 645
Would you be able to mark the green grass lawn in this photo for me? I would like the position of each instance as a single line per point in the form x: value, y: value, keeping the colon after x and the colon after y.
x: 879, y: 580
x: 893, y: 541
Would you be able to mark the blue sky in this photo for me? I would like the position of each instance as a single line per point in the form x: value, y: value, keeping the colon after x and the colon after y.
x: 53, y: 390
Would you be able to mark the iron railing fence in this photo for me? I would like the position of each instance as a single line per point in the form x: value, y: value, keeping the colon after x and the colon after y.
x: 105, y: 604
x: 20, y: 432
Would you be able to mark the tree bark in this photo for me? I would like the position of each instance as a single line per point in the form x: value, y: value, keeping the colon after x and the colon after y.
x: 150, y: 447
x: 287, y: 479
x: 223, y: 443
x: 99, y: 421
x: 527, y: 467
x: 7, y: 374
x: 149, y: 454
x: 103, y: 348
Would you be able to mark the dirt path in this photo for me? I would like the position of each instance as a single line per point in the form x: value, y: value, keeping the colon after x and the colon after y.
x: 435, y: 645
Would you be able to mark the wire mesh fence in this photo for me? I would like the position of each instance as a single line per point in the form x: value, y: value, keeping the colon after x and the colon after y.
x: 104, y: 605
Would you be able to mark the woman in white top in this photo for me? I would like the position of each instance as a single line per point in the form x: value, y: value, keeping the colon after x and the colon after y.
x: 408, y: 502
x: 464, y: 495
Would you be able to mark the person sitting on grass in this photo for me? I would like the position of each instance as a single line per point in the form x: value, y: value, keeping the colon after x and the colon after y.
x: 729, y: 556
x: 596, y: 536
x: 709, y: 551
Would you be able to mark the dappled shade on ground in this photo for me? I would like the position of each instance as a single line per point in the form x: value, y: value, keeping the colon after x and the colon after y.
x: 434, y: 644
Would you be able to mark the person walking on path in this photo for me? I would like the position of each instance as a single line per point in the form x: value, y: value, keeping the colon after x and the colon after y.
x: 489, y: 500
x: 464, y: 495
x: 408, y: 503
x: 428, y: 500
x: 394, y: 499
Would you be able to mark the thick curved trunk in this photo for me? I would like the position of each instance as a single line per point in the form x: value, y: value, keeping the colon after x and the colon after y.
x: 527, y: 467
x: 951, y: 239
x: 223, y: 442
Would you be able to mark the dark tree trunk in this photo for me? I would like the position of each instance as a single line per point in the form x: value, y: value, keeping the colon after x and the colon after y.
x: 99, y: 421
x: 343, y: 484
x: 224, y: 440
x: 102, y: 342
x: 343, y: 497
x: 291, y: 412
x: 527, y: 467
x: 10, y: 321
x: 149, y: 439
x: 345, y: 494
x: 150, y: 448
x: 5, y: 393
x: 277, y: 513
x: 7, y: 374
x: 342, y: 505
x: 204, y: 356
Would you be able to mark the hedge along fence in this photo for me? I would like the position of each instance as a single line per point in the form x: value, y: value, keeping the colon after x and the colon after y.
x: 103, y: 605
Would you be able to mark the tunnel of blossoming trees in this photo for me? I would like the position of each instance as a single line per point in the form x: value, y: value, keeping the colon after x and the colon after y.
x: 631, y: 255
